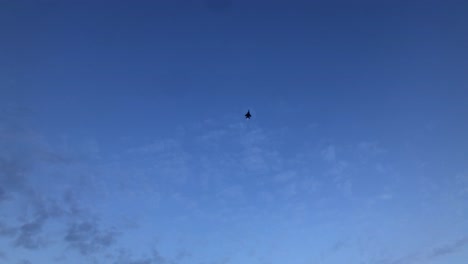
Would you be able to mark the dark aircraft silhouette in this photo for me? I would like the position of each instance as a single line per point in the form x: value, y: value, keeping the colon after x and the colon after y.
x: 248, y: 115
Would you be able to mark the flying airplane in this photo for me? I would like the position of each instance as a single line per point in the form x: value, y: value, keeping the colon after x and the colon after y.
x: 248, y: 115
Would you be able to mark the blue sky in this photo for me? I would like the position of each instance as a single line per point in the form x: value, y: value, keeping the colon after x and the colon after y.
x: 123, y: 138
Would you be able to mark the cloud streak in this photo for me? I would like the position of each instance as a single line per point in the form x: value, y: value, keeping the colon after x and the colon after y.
x: 449, y: 248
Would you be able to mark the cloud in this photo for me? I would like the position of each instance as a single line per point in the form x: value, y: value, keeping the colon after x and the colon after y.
x: 448, y: 248
x: 233, y: 193
x: 432, y: 253
x: 182, y: 255
x: 369, y: 148
x: 254, y: 160
x: 3, y: 195
x: 213, y: 137
x: 353, y: 160
x: 157, y: 146
x: 284, y: 176
x: 21, y: 150
x: 385, y: 196
x: 158, y: 258
x: 124, y: 257
x: 7, y: 231
x: 329, y: 153
x: 410, y: 258
x: 342, y: 179
x: 87, y: 238
x: 23, y: 156
x: 3, y: 255
x: 166, y: 158
x: 29, y: 234
x: 339, y: 167
x: 253, y: 151
x: 12, y: 173
x: 337, y: 246
x: 142, y: 261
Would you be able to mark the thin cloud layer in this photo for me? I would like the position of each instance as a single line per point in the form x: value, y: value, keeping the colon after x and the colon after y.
x: 284, y: 188
x: 88, y: 238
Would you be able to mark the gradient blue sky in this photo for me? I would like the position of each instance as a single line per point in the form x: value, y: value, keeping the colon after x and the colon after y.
x: 123, y: 140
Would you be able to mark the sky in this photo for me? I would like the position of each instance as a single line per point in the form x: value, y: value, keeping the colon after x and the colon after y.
x: 123, y: 138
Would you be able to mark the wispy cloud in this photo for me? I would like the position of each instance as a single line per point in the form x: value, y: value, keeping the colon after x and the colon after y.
x: 3, y: 256
x: 338, y: 170
x: 7, y: 231
x: 3, y: 195
x: 12, y: 173
x: 448, y: 248
x: 22, y: 152
x: 428, y: 254
x: 285, y: 176
x: 329, y: 153
x: 88, y: 238
x: 224, y: 173
x: 407, y: 259
x: 366, y: 150
x: 30, y: 234
x: 125, y: 257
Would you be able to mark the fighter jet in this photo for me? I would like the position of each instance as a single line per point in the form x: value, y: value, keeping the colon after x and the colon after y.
x: 248, y: 115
